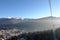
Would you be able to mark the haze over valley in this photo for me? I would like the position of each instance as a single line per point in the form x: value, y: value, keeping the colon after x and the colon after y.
x: 39, y: 24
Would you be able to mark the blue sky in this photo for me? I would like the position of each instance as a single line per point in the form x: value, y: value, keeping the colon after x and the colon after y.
x: 28, y: 8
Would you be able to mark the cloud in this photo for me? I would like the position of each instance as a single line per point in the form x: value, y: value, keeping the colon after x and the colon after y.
x: 9, y: 17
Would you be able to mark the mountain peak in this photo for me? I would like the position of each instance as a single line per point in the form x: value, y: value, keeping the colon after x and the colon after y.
x: 51, y: 17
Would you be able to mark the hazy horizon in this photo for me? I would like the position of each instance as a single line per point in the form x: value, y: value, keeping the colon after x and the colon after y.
x: 28, y: 18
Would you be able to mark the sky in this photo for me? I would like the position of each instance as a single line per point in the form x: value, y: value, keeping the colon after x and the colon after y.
x: 28, y: 8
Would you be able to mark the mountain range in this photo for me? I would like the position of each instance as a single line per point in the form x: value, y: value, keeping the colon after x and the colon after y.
x: 40, y: 24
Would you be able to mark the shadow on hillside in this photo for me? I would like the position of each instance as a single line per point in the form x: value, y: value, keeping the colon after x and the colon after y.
x: 39, y: 35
